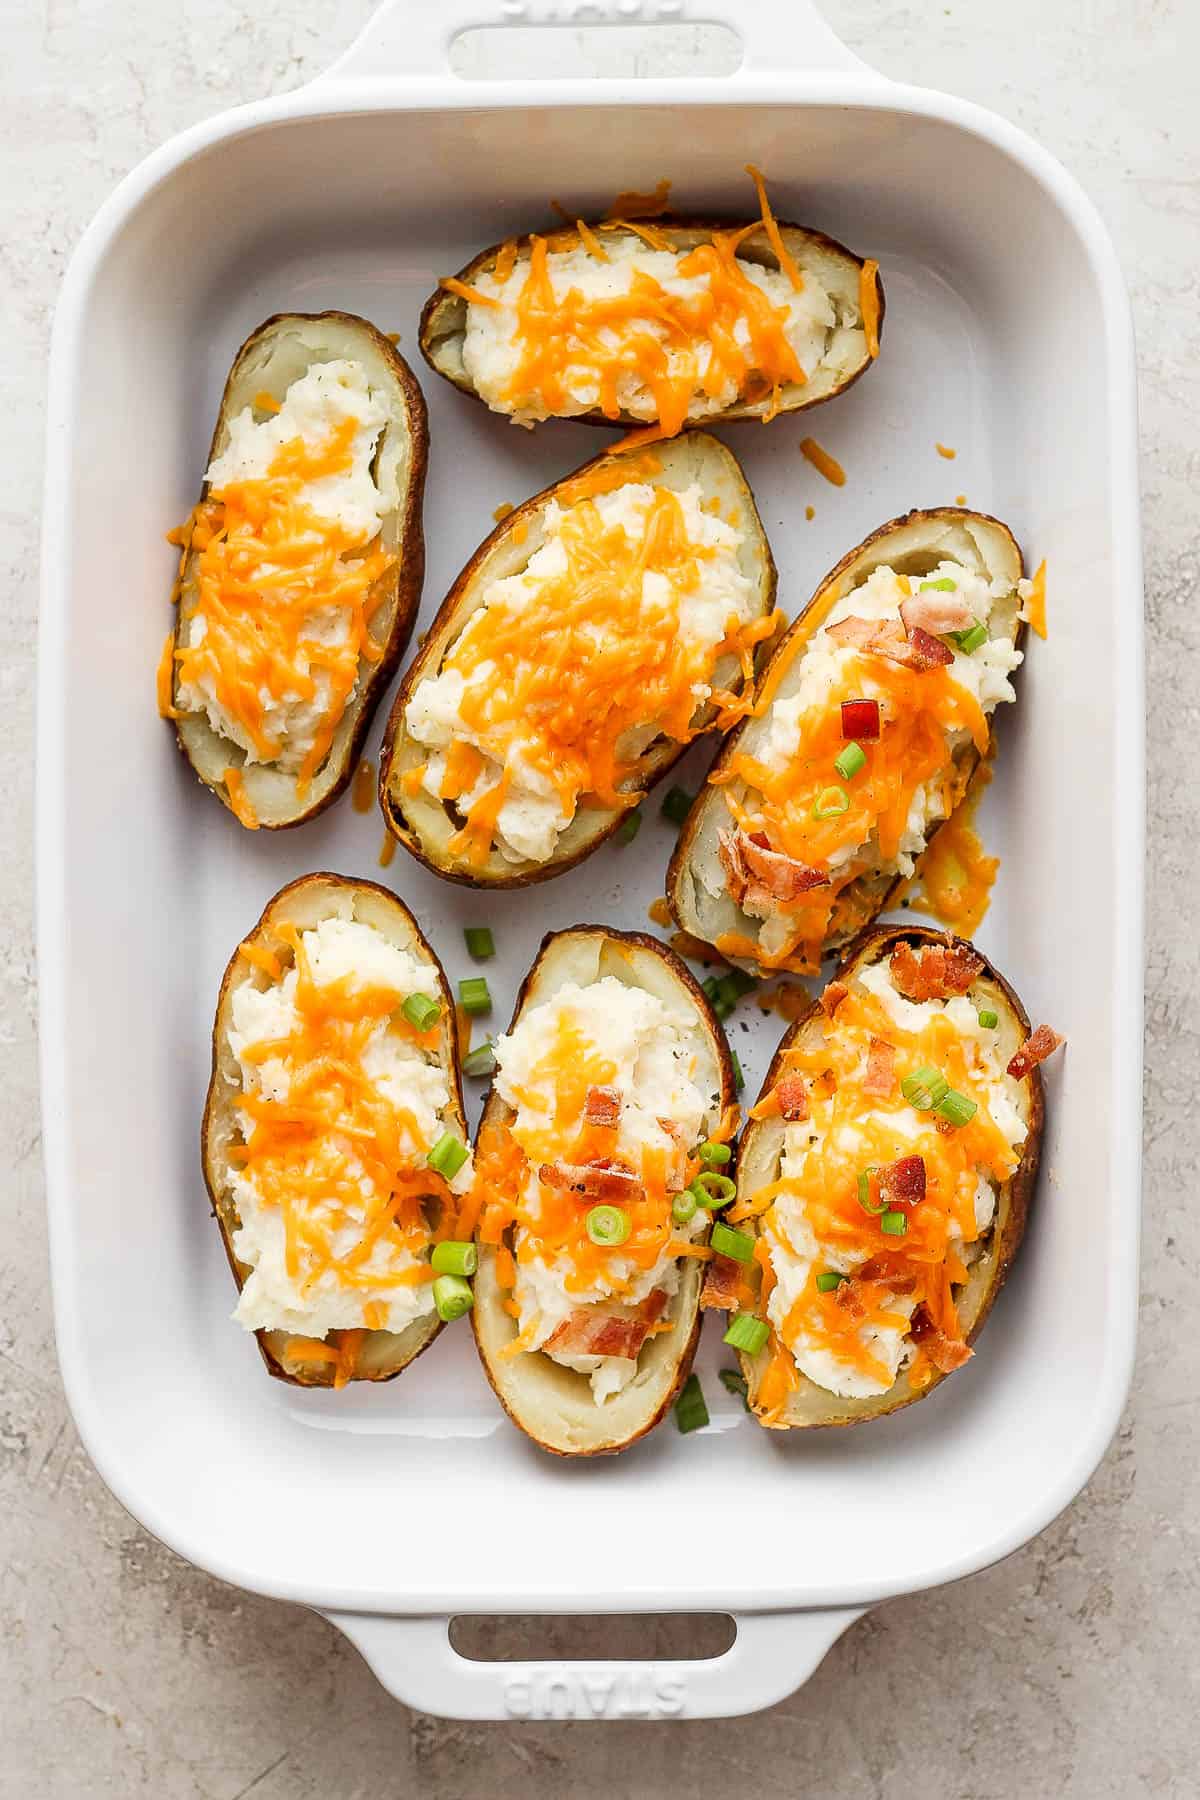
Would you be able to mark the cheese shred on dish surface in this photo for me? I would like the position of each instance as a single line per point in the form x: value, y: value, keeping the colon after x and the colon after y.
x: 341, y: 1101
x: 619, y: 630
x: 910, y: 697
x: 937, y: 1185
x: 603, y: 1081
x: 614, y: 317
x: 288, y: 562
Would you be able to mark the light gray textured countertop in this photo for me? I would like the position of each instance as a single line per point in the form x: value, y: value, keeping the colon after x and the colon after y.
x: 1068, y: 1670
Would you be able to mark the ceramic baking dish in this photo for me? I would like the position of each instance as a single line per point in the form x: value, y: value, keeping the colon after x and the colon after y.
x: 1008, y: 337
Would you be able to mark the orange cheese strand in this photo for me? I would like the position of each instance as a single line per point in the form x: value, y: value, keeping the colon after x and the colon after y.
x: 240, y: 804
x: 1035, y: 606
x: 955, y: 876
x: 266, y: 569
x: 822, y: 462
x: 868, y: 300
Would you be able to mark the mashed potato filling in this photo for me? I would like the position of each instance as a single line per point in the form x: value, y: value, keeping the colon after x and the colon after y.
x: 287, y: 558
x: 620, y: 628
x: 785, y: 784
x: 827, y: 1211
x: 341, y: 1101
x: 644, y: 1056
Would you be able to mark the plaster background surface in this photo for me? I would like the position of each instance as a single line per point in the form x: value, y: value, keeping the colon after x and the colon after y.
x: 1070, y: 1670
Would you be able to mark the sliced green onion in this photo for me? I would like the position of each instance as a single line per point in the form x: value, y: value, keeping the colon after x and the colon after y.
x: 734, y: 984
x: 453, y: 1257
x: 728, y: 1242
x: 684, y: 1206
x: 481, y: 1061
x: 452, y: 1297
x: 864, y: 1191
x: 747, y: 1333
x: 894, y: 1224
x: 712, y: 991
x: 955, y: 1108
x: 988, y: 1019
x: 448, y: 1155
x: 831, y: 803
x: 924, y: 1088
x: 710, y: 1152
x: 739, y: 1080
x: 828, y: 1280
x: 421, y: 1011
x: 480, y: 943
x: 712, y: 1190
x: 607, y: 1225
x: 677, y: 804
x: 734, y: 1382
x: 474, y: 996
x: 690, y: 1411
x: 944, y: 586
x: 629, y: 827
x: 849, y: 761
x: 970, y: 639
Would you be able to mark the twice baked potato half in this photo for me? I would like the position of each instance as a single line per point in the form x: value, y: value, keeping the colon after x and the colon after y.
x: 592, y: 1223
x: 871, y: 718
x: 300, y: 567
x: 885, y: 1177
x: 665, y: 323
x: 601, y: 627
x: 334, y: 1141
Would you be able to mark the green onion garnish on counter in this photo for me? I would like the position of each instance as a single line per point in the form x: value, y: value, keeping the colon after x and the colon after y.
x: 690, y: 1410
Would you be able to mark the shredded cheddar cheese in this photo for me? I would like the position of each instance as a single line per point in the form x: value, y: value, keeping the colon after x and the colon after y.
x: 822, y: 462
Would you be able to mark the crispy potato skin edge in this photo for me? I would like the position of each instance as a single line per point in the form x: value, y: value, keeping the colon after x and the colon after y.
x: 321, y: 1375
x: 494, y: 1112
x: 409, y: 577
x: 1020, y: 1186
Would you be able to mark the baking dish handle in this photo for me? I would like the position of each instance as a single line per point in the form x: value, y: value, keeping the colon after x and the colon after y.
x: 772, y: 1655
x: 411, y: 39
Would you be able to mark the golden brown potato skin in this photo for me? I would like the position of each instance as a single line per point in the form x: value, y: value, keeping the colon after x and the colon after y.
x: 591, y: 825
x: 811, y: 1407
x: 398, y: 591
x: 383, y: 1354
x: 528, y: 1395
x: 871, y: 893
x: 443, y: 314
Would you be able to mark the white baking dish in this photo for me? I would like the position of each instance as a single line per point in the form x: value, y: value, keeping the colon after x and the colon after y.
x: 1008, y: 337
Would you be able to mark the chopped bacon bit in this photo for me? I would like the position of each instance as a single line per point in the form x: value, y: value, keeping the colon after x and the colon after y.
x: 722, y: 1283
x: 1037, y: 1047
x: 792, y: 1095
x: 903, y: 1180
x: 757, y: 873
x: 860, y: 719
x: 927, y: 652
x: 945, y: 1353
x: 887, y: 637
x: 849, y: 1297
x: 876, y: 1268
x: 832, y: 997
x: 880, y: 1077
x: 602, y: 1179
x: 933, y: 971
x: 935, y: 611
x: 602, y: 1106
x: 589, y: 1332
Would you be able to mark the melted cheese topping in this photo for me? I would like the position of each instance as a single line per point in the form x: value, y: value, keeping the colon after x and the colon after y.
x: 341, y: 1102
x: 811, y: 1219
x: 606, y: 1034
x: 286, y: 571
x: 615, y: 318
x: 909, y: 781
x: 615, y: 633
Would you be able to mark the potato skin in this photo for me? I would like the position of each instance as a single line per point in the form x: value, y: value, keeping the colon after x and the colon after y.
x: 869, y: 894
x: 823, y: 253
x: 486, y: 1316
x: 656, y: 763
x: 399, y: 589
x: 383, y: 1354
x: 1014, y: 1200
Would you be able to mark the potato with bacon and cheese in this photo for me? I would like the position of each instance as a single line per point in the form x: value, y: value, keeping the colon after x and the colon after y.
x: 598, y: 1163
x: 334, y: 1138
x: 870, y: 721
x: 300, y: 568
x: 883, y: 1182
x: 600, y: 628
x: 665, y: 322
